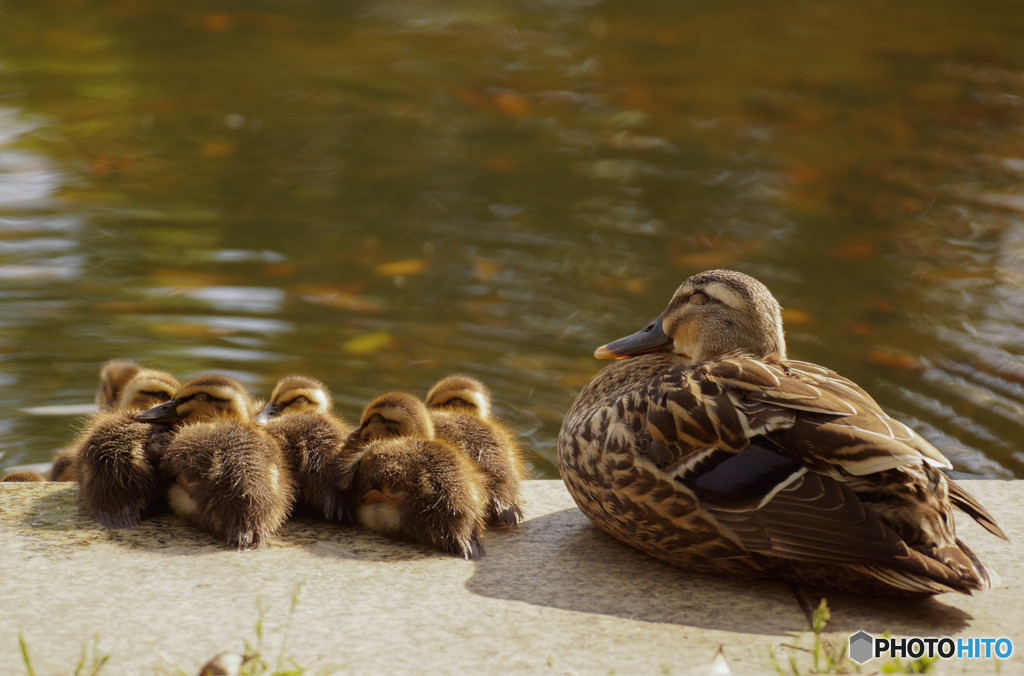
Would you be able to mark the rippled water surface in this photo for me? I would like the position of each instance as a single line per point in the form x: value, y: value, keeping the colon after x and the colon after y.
x: 380, y: 193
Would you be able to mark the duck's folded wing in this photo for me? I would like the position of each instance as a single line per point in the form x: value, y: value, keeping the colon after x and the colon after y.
x: 726, y: 403
x: 775, y: 507
x: 967, y: 504
x: 831, y: 425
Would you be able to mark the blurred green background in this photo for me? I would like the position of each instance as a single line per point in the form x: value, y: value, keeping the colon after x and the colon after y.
x: 380, y: 193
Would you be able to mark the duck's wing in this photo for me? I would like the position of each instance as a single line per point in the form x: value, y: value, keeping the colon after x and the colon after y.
x: 831, y: 425
x: 774, y: 507
x: 796, y: 462
x: 967, y: 504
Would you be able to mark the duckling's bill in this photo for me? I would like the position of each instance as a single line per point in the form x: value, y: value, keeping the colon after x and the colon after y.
x: 162, y: 413
x: 651, y: 338
x: 264, y: 416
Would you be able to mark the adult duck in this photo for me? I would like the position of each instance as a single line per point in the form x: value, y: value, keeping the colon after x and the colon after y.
x: 704, y: 446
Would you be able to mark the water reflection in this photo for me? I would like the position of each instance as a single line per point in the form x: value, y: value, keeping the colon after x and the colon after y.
x: 378, y: 194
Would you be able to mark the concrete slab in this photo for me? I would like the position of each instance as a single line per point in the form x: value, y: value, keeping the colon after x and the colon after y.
x: 554, y: 596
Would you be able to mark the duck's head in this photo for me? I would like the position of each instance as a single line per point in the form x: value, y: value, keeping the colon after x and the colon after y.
x: 148, y: 388
x: 711, y: 314
x: 296, y: 394
x: 204, y: 398
x: 461, y: 393
x: 395, y: 414
x: 114, y: 375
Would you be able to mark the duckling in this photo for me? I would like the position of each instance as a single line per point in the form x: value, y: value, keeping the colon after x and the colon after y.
x: 300, y: 417
x: 404, y: 483
x: 23, y: 476
x: 460, y: 409
x: 115, y: 459
x: 114, y: 464
x: 461, y: 393
x: 230, y: 477
x: 705, y: 446
x: 144, y: 389
x: 114, y: 375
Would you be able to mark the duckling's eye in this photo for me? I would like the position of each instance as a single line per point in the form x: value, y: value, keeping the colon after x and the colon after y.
x: 159, y: 396
x: 299, y: 400
x: 202, y: 397
x: 697, y: 298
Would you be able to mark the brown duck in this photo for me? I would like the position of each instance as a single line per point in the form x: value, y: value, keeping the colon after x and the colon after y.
x: 706, y: 447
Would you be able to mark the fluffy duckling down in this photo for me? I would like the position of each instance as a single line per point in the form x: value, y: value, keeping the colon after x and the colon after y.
x: 300, y: 417
x: 115, y: 459
x: 460, y: 410
x: 230, y: 477
x: 140, y: 390
x: 403, y: 482
x: 23, y: 476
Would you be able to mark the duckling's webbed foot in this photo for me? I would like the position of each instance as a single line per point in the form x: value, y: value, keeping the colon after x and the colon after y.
x: 505, y: 516
x: 128, y: 517
x: 335, y: 507
x: 467, y: 547
x: 473, y: 549
x: 243, y: 539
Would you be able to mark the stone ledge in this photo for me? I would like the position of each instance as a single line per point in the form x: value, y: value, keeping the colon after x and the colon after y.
x: 554, y: 596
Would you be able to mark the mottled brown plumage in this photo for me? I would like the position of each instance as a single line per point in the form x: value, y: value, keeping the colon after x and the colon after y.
x: 300, y: 417
x: 230, y: 477
x: 402, y: 482
x: 460, y: 411
x: 709, y: 449
x: 143, y: 389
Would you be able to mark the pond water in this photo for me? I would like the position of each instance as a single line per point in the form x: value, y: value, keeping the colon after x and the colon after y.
x: 380, y: 193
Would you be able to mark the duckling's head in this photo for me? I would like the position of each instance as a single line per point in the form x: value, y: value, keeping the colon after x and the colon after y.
x: 712, y: 313
x: 204, y: 398
x: 148, y: 388
x: 296, y: 394
x: 395, y: 414
x: 461, y: 393
x: 114, y: 375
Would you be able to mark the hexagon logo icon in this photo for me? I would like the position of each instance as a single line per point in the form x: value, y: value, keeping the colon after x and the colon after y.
x: 862, y: 647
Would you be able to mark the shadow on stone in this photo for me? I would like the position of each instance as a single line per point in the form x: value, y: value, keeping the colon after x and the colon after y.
x: 924, y: 617
x: 562, y: 561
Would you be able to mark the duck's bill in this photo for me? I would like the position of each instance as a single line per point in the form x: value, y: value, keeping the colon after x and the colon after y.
x: 651, y: 338
x: 163, y: 413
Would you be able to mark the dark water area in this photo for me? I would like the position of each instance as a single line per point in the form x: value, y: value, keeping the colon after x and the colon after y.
x: 378, y: 194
